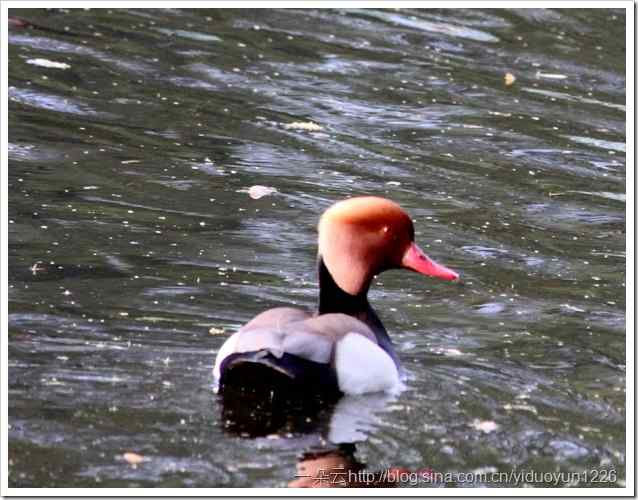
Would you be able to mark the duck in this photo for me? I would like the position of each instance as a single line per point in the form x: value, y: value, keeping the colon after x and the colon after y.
x: 342, y: 347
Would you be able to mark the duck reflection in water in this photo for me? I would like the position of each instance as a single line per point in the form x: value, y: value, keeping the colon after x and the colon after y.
x: 337, y: 468
x: 324, y: 428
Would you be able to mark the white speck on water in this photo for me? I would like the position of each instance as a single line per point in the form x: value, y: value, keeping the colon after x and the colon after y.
x: 46, y: 63
x: 452, y: 352
x: 569, y: 307
x: 486, y: 426
x: 256, y: 192
x: 551, y: 76
x: 307, y: 126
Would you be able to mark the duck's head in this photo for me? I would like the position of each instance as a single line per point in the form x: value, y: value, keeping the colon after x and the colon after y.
x: 363, y: 236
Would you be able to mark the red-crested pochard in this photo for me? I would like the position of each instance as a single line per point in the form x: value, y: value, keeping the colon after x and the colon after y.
x: 343, y: 347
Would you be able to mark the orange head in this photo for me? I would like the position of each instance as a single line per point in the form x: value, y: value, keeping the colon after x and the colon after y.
x: 363, y: 236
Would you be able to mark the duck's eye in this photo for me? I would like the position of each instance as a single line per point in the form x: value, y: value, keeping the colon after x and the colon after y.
x: 388, y: 234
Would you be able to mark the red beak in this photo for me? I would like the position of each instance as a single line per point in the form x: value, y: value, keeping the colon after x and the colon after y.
x: 414, y: 258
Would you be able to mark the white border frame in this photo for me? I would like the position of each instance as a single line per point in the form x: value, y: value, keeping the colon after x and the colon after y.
x: 628, y: 490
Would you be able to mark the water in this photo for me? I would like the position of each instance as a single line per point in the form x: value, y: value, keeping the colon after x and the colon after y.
x: 135, y: 249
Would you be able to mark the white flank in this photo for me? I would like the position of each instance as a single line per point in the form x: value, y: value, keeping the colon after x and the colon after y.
x: 226, y: 349
x: 363, y: 367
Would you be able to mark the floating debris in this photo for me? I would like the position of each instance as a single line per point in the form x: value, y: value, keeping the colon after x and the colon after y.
x: 551, y: 76
x: 509, y: 79
x: 308, y: 126
x: 190, y: 35
x: 52, y: 381
x: 529, y: 408
x: 45, y: 63
x: 216, y: 331
x: 38, y: 267
x: 257, y: 191
x: 452, y: 352
x: 486, y: 426
x: 568, y: 307
x: 498, y: 113
x: 133, y: 458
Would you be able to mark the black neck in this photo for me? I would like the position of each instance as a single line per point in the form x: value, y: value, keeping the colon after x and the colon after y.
x: 332, y: 299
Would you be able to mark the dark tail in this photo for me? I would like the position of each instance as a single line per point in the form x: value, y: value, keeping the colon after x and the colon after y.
x: 261, y: 371
x: 262, y: 394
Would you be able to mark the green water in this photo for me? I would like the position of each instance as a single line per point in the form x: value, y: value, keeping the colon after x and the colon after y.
x: 131, y: 234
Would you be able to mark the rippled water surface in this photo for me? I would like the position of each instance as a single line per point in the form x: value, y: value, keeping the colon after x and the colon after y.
x: 135, y: 248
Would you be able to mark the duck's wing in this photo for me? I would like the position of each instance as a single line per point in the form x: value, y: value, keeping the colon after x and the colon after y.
x: 335, y: 347
x: 292, y: 331
x: 275, y: 318
x: 261, y: 332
